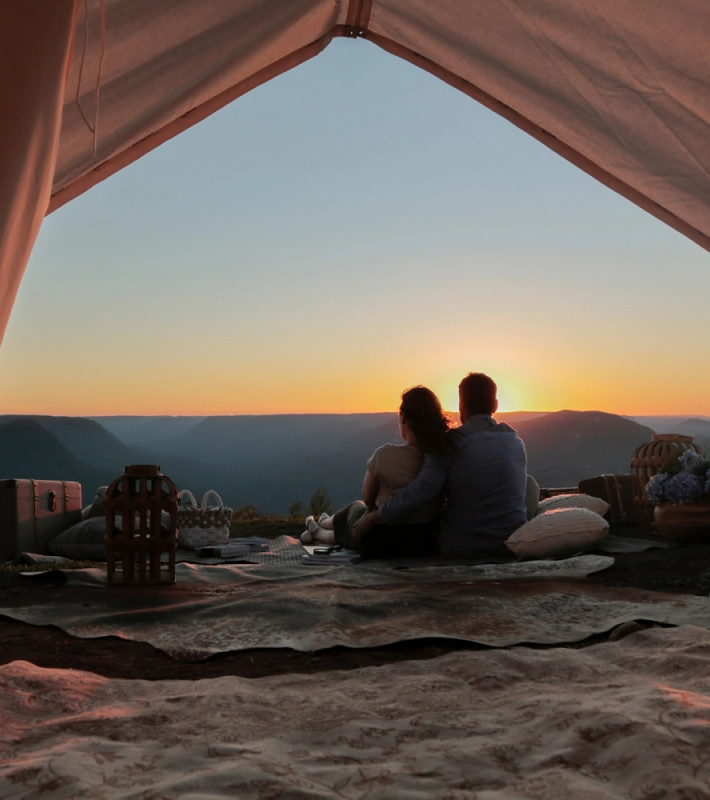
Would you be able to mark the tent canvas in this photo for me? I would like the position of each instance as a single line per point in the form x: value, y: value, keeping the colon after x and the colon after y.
x: 89, y: 86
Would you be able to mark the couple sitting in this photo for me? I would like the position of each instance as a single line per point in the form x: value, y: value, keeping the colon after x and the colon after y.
x: 455, y: 491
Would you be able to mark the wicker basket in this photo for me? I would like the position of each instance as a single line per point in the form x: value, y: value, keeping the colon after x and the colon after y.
x: 201, y: 526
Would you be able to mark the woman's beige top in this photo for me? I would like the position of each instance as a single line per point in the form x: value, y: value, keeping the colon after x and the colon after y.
x: 394, y: 466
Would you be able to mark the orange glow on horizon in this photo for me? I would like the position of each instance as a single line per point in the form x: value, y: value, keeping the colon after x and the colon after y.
x: 537, y: 376
x: 289, y: 394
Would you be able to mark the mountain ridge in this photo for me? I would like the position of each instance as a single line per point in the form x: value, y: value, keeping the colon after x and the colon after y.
x: 269, y: 461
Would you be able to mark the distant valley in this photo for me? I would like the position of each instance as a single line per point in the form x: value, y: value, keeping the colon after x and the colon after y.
x: 697, y: 427
x: 270, y: 461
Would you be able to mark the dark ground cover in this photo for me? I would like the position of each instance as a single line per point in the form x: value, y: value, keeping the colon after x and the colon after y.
x: 679, y: 570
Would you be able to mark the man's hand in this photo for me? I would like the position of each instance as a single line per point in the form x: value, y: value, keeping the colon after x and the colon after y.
x: 364, y: 524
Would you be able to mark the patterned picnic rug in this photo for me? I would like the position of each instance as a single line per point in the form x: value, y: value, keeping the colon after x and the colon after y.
x: 286, y: 550
x: 237, y: 607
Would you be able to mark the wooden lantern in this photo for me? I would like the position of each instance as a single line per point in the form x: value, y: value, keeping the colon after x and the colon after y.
x: 646, y: 462
x: 141, y: 525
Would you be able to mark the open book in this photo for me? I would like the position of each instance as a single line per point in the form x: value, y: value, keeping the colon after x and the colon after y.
x: 234, y: 548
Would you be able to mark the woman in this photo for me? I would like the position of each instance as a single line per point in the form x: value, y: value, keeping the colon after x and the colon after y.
x: 422, y: 425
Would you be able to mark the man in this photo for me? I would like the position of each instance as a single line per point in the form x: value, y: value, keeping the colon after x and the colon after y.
x: 483, y: 479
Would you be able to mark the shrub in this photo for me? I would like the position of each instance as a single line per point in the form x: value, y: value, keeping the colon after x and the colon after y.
x: 246, y: 513
x: 320, y: 502
x: 296, y: 510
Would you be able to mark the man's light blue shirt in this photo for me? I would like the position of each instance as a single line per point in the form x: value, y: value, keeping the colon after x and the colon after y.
x: 484, y: 483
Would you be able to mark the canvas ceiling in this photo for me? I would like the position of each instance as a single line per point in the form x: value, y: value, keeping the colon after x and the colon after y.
x: 619, y: 89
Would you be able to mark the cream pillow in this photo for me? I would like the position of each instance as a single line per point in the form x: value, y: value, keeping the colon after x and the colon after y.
x: 595, y: 504
x: 96, y: 509
x: 532, y: 496
x: 560, y: 532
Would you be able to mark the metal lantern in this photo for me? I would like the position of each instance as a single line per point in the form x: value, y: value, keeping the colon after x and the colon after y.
x: 141, y: 525
x: 646, y: 462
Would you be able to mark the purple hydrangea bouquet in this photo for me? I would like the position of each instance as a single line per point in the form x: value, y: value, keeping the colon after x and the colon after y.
x: 685, y: 479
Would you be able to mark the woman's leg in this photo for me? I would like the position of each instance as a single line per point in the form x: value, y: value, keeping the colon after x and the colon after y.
x: 344, y: 520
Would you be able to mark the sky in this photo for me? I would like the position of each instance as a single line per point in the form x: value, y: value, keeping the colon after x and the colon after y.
x: 350, y: 229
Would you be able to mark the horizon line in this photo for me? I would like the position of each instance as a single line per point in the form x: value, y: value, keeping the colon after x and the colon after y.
x: 688, y: 415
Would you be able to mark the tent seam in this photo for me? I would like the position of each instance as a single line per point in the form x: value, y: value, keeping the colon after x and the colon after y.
x: 357, y: 18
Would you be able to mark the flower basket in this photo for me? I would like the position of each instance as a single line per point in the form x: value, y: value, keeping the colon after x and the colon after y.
x: 201, y: 526
x: 688, y: 522
x: 680, y: 493
x: 648, y: 459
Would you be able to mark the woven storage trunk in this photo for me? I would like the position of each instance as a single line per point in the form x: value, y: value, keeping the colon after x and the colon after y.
x: 32, y: 513
x: 201, y: 526
x: 620, y: 492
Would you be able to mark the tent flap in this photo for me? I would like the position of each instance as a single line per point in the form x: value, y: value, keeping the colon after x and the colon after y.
x: 167, y: 65
x: 34, y: 57
x: 618, y: 89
